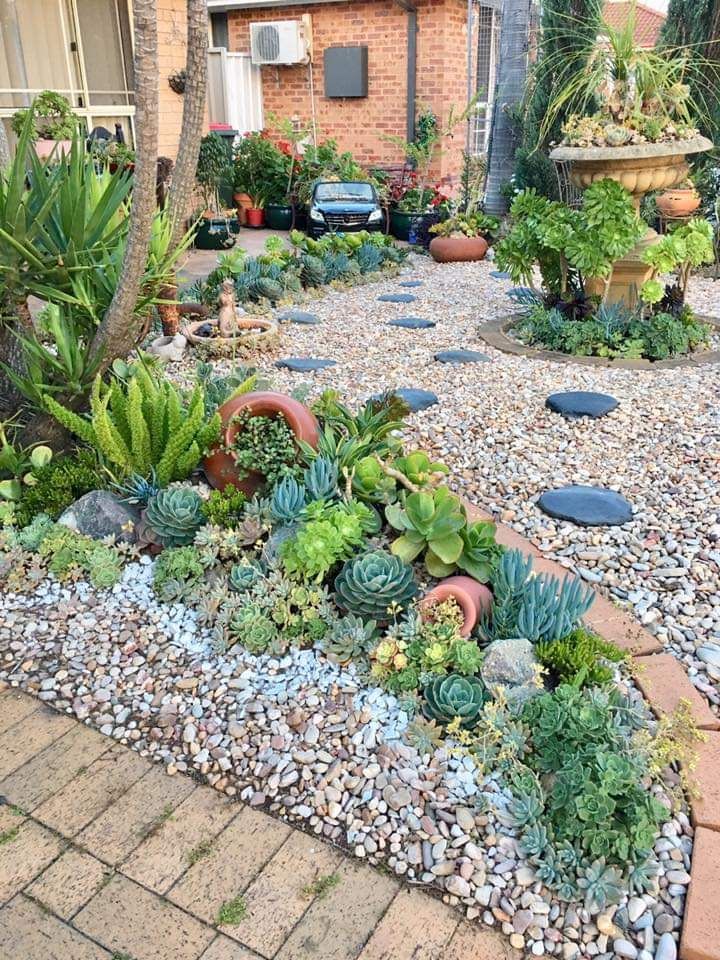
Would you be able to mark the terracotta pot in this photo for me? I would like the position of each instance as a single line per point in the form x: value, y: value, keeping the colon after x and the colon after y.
x: 458, y: 249
x: 676, y: 204
x: 46, y: 148
x: 168, y: 312
x: 219, y: 466
x: 255, y: 217
x: 472, y: 597
x: 243, y: 204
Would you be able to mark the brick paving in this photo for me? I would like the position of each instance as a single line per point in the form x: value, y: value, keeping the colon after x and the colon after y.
x: 105, y: 857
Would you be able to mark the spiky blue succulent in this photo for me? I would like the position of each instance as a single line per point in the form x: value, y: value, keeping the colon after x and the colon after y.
x: 288, y: 500
x: 137, y: 489
x: 321, y: 479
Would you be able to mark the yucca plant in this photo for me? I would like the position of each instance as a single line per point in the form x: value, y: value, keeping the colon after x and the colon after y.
x: 143, y: 424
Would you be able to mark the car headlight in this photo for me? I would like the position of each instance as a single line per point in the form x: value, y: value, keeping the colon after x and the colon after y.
x: 375, y: 216
x: 316, y: 214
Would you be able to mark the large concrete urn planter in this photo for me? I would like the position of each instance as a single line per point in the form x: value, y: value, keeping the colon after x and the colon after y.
x: 458, y: 249
x: 641, y: 169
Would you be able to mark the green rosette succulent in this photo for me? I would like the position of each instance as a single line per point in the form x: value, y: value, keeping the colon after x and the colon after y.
x: 288, y: 500
x: 321, y: 479
x: 349, y: 639
x: 430, y: 522
x: 450, y: 697
x: 244, y: 576
x: 370, y: 584
x: 175, y: 516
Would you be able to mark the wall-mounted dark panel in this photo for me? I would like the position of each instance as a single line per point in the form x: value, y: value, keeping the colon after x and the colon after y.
x: 346, y: 71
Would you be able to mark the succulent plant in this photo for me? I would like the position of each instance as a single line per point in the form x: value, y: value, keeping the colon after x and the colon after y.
x: 224, y: 544
x: 244, y: 576
x: 138, y: 489
x: 264, y: 288
x: 288, y: 500
x: 175, y: 516
x: 429, y: 521
x: 255, y: 630
x: 321, y: 479
x: 602, y: 886
x: 313, y: 270
x: 450, y: 697
x: 480, y: 551
x: 425, y: 735
x: 349, y: 639
x: 372, y: 583
x: 550, y: 609
x: 369, y: 258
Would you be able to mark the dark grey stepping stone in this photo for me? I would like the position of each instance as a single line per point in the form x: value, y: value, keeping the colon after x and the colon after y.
x: 410, y: 283
x: 581, y: 403
x: 299, y: 316
x: 412, y: 323
x: 415, y: 398
x: 461, y: 356
x: 304, y: 364
x: 587, y: 506
x: 397, y: 297
x: 499, y: 275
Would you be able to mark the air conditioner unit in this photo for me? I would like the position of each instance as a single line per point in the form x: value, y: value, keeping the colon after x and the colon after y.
x: 280, y: 42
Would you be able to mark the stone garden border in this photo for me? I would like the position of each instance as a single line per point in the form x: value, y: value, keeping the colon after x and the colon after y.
x: 495, y: 334
x: 664, y: 683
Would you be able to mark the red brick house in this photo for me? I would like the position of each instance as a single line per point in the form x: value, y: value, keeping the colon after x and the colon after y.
x: 372, y: 65
x: 648, y: 22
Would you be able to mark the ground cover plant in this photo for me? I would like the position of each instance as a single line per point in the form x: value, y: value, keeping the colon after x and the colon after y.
x: 335, y: 552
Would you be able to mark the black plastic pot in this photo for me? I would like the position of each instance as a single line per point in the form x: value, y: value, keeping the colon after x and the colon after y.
x: 214, y: 233
x: 278, y: 216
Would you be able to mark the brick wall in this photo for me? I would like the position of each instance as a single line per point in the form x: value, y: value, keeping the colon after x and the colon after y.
x: 359, y: 124
x: 172, y: 28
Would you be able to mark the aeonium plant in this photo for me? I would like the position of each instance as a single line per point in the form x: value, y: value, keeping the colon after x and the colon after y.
x: 467, y: 225
x: 680, y: 252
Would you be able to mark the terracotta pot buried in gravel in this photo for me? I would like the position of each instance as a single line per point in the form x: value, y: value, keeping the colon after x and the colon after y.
x: 219, y: 466
x: 458, y: 249
x: 472, y: 597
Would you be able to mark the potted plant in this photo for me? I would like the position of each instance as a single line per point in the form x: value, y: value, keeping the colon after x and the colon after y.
x: 213, y: 230
x: 632, y: 118
x: 279, y: 209
x: 463, y: 237
x: 258, y: 172
x: 680, y: 202
x: 53, y: 120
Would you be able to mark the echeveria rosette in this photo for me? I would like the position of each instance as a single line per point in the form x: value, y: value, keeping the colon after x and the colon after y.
x: 373, y: 583
x: 175, y: 516
x: 454, y: 697
x: 431, y: 522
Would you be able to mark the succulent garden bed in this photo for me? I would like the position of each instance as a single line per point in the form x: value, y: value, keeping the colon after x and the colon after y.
x: 279, y: 644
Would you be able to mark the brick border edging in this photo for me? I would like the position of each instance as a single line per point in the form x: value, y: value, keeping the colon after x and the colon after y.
x: 494, y: 333
x: 664, y: 683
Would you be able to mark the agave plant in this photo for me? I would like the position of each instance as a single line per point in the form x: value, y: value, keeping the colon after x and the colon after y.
x: 431, y: 522
x: 321, y: 479
x: 372, y: 584
x: 175, y: 516
x: 451, y: 697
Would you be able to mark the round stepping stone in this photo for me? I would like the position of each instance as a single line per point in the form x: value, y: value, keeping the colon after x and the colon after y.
x: 397, y: 297
x: 499, y: 275
x: 461, y: 356
x: 299, y: 316
x: 581, y: 403
x: 304, y: 364
x: 410, y: 283
x: 587, y: 506
x: 417, y: 399
x: 412, y: 323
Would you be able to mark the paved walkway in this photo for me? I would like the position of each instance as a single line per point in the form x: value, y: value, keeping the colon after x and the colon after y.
x: 103, y: 856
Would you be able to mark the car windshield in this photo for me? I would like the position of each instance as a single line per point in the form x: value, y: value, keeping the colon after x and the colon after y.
x: 362, y: 192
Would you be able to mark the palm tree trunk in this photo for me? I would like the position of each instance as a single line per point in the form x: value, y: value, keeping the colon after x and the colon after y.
x: 118, y: 330
x: 713, y: 49
x: 4, y: 147
x: 193, y: 115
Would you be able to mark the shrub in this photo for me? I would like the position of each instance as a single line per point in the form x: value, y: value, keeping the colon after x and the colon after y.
x: 57, y: 485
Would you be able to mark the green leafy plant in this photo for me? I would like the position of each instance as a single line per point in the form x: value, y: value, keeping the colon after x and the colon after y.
x: 467, y: 225
x: 142, y: 424
x: 58, y: 484
x: 17, y: 465
x: 577, y: 658
x: 480, y: 552
x: 374, y: 585
x: 213, y: 165
x: 175, y: 516
x: 225, y: 508
x: 429, y: 523
x: 320, y: 544
x: 255, y: 630
x: 52, y: 117
x: 265, y: 445
x: 454, y: 698
x: 321, y: 887
x: 178, y: 571
x: 288, y: 500
x: 321, y: 479
x: 232, y: 912
x: 67, y: 553
x: 684, y: 249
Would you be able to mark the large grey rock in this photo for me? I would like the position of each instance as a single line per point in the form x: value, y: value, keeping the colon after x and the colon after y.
x: 101, y: 514
x: 511, y: 667
x: 587, y: 506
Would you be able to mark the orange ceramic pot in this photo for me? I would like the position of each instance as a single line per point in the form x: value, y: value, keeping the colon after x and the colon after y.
x: 219, y: 466
x: 472, y: 597
x: 676, y: 204
x: 458, y: 249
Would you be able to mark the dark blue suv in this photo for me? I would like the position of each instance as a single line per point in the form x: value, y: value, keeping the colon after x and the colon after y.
x: 344, y: 206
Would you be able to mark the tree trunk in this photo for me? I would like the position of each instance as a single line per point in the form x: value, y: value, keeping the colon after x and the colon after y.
x: 117, y: 332
x: 193, y: 121
x: 13, y: 317
x: 4, y: 147
x: 713, y: 48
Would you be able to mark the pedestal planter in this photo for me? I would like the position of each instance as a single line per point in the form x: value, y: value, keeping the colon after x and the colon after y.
x: 676, y: 204
x: 472, y: 597
x: 640, y: 169
x: 278, y: 216
x: 214, y: 233
x: 400, y: 223
x: 458, y: 249
x: 221, y: 469
x: 255, y: 334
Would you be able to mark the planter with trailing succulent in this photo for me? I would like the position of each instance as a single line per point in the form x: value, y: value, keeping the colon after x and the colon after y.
x: 214, y: 225
x: 679, y: 203
x: 54, y: 123
x: 641, y: 136
x: 463, y: 237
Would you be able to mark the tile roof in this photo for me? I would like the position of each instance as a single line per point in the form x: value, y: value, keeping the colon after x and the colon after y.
x: 648, y: 25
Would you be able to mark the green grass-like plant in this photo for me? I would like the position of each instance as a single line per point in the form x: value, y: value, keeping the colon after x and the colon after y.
x: 577, y: 658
